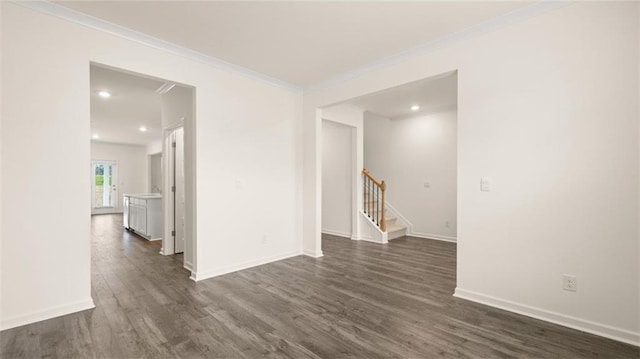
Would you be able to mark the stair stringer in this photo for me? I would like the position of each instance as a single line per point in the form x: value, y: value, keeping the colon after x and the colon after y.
x: 370, y: 231
x: 399, y: 217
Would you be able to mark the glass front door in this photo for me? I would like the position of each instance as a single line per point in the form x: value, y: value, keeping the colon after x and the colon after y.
x: 104, y: 180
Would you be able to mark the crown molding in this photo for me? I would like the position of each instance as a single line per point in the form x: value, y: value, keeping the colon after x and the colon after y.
x: 92, y: 22
x: 95, y: 23
x: 522, y: 14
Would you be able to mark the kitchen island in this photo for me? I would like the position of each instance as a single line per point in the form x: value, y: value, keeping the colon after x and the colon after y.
x: 143, y: 215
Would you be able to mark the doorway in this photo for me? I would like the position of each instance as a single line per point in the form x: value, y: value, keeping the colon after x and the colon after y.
x: 144, y: 126
x: 104, y: 189
x: 176, y: 216
x: 338, y: 152
x: 409, y: 142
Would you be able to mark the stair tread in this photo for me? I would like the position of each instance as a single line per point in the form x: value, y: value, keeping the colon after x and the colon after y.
x: 395, y: 227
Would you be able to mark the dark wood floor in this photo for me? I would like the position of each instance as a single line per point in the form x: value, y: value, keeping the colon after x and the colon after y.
x: 361, y: 300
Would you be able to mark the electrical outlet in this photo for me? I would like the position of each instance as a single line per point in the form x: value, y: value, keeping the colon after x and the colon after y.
x: 427, y: 184
x: 264, y: 239
x: 485, y: 184
x: 446, y: 224
x: 570, y: 282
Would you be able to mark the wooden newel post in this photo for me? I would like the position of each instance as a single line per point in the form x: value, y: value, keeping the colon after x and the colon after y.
x: 383, y: 224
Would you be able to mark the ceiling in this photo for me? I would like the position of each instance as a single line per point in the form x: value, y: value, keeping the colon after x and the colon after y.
x: 133, y: 103
x: 432, y: 95
x: 303, y: 42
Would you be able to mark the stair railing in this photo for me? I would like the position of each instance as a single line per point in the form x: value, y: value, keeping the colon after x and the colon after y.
x: 374, y: 199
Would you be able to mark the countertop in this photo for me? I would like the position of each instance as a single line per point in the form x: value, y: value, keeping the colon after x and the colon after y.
x: 143, y: 195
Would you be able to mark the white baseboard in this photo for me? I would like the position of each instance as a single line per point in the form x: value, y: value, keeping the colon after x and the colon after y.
x: 188, y: 266
x: 201, y: 275
x: 313, y: 254
x: 402, y: 219
x: 52, y: 312
x: 432, y: 236
x: 370, y: 239
x: 584, y: 325
x: 336, y: 233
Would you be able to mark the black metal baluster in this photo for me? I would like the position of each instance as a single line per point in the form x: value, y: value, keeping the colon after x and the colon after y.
x: 370, y: 202
x: 373, y: 203
x: 364, y: 193
x: 377, y: 205
x: 369, y: 197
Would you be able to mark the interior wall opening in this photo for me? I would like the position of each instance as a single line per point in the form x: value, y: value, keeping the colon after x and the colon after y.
x: 338, y: 153
x: 142, y: 160
x: 407, y: 181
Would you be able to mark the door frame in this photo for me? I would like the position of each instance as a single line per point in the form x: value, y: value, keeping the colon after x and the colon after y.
x: 105, y: 210
x: 356, y: 152
x: 168, y: 198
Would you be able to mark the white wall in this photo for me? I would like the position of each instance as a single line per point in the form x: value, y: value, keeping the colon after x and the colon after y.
x: 176, y: 106
x: 548, y: 110
x: 337, y: 178
x: 351, y: 117
x: 155, y: 172
x: 2, y: 32
x: 245, y: 132
x: 408, y: 152
x: 131, y: 166
x: 154, y: 147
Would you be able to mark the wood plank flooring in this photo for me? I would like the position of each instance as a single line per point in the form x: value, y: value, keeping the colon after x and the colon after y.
x: 361, y: 300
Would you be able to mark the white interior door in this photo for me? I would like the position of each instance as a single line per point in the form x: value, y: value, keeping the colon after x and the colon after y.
x: 104, y: 189
x: 179, y: 195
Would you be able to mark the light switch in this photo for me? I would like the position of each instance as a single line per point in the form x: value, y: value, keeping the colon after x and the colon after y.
x: 485, y: 184
x: 427, y: 184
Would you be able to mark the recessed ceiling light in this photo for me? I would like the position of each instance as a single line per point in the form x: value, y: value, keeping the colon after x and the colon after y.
x: 95, y: 137
x: 104, y: 94
x: 143, y: 129
x: 415, y: 108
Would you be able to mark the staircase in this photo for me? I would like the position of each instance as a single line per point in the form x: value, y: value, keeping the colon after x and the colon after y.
x: 375, y: 209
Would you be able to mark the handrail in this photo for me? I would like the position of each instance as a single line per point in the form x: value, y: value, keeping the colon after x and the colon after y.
x: 374, y: 199
x: 368, y: 174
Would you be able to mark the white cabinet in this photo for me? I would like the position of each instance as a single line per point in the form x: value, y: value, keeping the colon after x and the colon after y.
x: 144, y: 215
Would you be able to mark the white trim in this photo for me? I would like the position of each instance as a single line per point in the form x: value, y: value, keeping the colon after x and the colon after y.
x: 371, y: 239
x: 436, y: 237
x: 313, y: 254
x: 409, y: 226
x: 52, y: 312
x: 245, y: 265
x: 188, y: 266
x: 337, y: 233
x: 584, y: 325
x: 374, y: 231
x: 399, y: 216
x: 95, y: 23
x: 521, y: 14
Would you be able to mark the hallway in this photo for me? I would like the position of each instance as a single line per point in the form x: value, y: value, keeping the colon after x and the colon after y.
x: 360, y: 300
